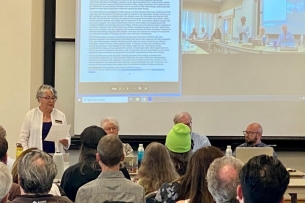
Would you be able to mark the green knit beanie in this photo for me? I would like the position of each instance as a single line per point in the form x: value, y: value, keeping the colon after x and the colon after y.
x: 179, y: 138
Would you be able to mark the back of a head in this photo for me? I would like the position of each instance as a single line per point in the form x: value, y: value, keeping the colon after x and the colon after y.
x: 110, y: 150
x: 3, y: 149
x: 222, y: 178
x: 263, y: 179
x: 2, y: 132
x: 18, y: 159
x: 36, y: 171
x: 162, y: 170
x: 5, y: 181
x: 193, y: 182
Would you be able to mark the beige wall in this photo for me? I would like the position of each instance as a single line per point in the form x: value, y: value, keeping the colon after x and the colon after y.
x: 21, y: 62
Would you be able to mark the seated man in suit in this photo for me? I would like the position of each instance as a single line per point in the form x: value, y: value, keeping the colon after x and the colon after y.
x: 253, y: 135
x: 110, y: 185
x: 285, y: 37
x: 263, y: 179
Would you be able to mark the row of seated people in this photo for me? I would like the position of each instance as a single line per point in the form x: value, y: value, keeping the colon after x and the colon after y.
x: 173, y: 169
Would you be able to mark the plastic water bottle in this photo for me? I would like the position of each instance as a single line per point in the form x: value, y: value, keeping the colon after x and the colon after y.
x: 19, y: 149
x: 140, y: 154
x: 302, y: 41
x: 229, y: 151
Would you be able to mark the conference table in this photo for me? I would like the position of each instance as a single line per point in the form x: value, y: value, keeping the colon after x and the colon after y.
x: 243, y: 48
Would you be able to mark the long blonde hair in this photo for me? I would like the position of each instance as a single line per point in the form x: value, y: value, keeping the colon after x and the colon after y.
x: 156, y: 168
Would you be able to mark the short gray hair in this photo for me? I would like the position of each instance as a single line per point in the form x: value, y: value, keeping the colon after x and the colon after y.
x: 2, y: 132
x: 6, y: 181
x: 180, y: 115
x: 36, y: 171
x: 110, y: 119
x: 110, y: 150
x: 224, y: 189
x: 42, y: 89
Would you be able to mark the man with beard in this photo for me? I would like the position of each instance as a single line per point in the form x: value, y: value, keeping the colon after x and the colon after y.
x: 253, y: 135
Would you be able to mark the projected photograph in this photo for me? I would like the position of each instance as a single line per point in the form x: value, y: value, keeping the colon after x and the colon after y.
x: 242, y: 27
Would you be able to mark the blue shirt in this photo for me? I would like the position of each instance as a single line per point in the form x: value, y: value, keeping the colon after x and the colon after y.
x: 199, y: 141
x: 285, y: 37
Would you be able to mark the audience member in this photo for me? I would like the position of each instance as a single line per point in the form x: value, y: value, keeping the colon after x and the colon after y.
x: 111, y: 126
x: 87, y: 169
x: 38, y: 122
x: 15, y: 188
x: 193, y: 34
x: 222, y: 178
x: 2, y: 132
x: 286, y: 36
x: 192, y: 185
x: 253, y: 135
x: 9, y: 161
x: 55, y: 190
x: 36, y: 173
x: 198, y: 141
x: 152, y: 176
x: 111, y: 185
x: 178, y: 143
x: 5, y: 183
x: 263, y: 179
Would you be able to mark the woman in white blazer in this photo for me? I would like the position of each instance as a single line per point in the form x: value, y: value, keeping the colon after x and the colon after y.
x: 38, y: 121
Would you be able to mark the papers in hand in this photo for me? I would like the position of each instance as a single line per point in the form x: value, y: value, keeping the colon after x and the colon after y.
x: 58, y: 132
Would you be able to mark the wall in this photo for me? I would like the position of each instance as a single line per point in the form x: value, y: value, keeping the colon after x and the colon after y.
x: 21, y: 62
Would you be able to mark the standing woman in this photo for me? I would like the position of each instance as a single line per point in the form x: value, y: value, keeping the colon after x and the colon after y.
x: 38, y: 122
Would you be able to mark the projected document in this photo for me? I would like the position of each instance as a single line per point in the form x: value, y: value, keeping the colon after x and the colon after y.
x: 129, y: 41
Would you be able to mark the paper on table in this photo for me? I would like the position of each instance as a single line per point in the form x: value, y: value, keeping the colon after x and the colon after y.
x: 58, y: 132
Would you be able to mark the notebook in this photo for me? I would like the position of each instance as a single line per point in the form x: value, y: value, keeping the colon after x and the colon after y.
x: 246, y: 153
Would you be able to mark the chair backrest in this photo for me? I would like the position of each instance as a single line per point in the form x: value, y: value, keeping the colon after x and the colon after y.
x: 151, y: 197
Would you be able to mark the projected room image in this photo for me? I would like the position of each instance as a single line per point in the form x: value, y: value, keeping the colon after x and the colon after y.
x: 233, y: 27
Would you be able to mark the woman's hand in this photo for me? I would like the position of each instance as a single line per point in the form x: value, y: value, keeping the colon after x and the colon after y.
x: 64, y: 142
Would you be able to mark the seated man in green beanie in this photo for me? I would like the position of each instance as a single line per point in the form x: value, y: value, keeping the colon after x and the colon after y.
x: 178, y: 143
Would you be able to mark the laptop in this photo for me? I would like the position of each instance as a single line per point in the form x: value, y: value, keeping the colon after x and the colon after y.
x: 246, y: 153
x: 131, y: 163
x: 287, y: 42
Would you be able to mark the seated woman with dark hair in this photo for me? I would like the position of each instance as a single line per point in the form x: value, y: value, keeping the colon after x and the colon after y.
x: 87, y: 169
x: 192, y: 185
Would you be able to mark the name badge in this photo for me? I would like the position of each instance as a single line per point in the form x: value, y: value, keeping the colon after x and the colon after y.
x: 58, y: 121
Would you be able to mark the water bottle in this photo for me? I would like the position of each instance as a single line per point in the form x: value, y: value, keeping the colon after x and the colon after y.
x: 19, y: 149
x: 264, y: 40
x: 302, y: 41
x: 229, y: 151
x: 140, y: 154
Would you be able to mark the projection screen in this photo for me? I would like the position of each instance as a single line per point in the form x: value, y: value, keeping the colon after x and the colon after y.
x: 142, y: 61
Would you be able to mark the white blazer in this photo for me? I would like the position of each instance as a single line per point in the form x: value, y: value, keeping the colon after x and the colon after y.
x: 31, y: 130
